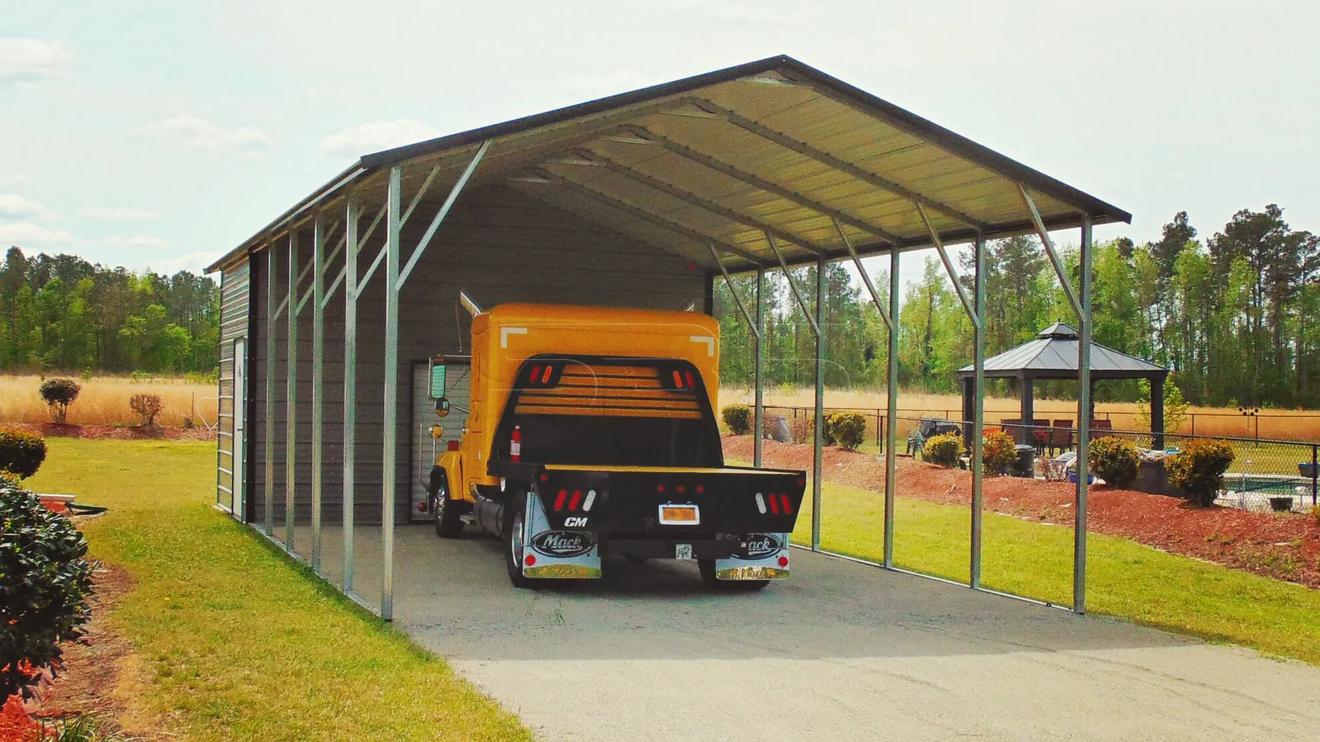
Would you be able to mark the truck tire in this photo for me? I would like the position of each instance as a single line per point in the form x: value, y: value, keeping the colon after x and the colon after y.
x: 707, y: 569
x: 446, y: 511
x: 514, y: 548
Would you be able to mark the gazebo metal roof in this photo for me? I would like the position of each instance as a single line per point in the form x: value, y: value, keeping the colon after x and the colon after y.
x: 1053, y: 355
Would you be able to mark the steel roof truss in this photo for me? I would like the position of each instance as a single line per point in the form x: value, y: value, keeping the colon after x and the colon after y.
x: 837, y: 163
x: 1049, y: 250
x: 441, y: 214
x: 788, y: 275
x: 948, y: 266
x: 644, y: 215
x: 698, y: 201
x: 765, y: 185
x: 756, y: 331
x: 866, y: 277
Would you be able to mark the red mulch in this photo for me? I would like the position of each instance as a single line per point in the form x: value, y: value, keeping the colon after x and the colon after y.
x: 15, y: 726
x: 1284, y: 546
x: 114, y: 432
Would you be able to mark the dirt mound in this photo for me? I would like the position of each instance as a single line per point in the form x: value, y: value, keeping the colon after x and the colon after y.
x: 1284, y: 546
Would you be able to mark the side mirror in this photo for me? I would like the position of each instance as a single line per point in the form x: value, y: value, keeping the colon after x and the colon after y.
x: 442, y: 407
x: 438, y: 379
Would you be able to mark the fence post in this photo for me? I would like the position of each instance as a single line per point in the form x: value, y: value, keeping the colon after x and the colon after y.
x: 1314, y: 474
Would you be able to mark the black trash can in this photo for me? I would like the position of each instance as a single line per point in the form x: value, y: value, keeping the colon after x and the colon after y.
x: 1026, y: 461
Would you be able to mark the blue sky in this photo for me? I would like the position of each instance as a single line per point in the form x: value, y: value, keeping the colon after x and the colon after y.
x: 162, y: 134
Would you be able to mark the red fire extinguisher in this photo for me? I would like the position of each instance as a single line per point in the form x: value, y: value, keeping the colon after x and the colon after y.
x: 515, y: 444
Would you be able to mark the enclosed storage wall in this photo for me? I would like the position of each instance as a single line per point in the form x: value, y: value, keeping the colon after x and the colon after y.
x: 497, y: 245
x: 234, y: 311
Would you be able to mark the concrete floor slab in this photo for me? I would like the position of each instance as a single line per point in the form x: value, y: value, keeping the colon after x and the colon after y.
x: 839, y: 651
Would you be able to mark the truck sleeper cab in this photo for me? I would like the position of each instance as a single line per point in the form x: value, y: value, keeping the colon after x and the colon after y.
x: 592, y: 432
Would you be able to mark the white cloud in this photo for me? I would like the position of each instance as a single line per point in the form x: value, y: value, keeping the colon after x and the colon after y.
x: 194, y: 262
x: 375, y: 136
x: 27, y: 234
x: 194, y: 133
x: 8, y: 180
x: 25, y: 61
x: 16, y: 207
x: 137, y: 240
x: 114, y: 214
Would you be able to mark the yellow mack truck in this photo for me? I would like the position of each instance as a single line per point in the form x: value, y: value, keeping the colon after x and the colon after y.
x: 592, y: 432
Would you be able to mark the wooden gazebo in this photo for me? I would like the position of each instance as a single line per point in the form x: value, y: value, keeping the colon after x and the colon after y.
x: 1053, y: 355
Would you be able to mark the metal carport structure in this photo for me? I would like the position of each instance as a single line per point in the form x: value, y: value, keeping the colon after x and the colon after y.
x: 640, y: 199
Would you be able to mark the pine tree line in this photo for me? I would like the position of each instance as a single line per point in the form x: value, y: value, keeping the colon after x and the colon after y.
x: 1236, y: 317
x: 61, y: 313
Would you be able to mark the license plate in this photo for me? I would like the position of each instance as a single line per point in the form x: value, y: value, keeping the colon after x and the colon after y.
x: 679, y: 515
x: 683, y: 551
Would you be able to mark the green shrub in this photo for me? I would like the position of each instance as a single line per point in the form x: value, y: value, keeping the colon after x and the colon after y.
x: 58, y: 395
x: 147, y: 407
x: 738, y: 417
x: 1198, y: 470
x: 998, y: 452
x: 845, y: 429
x: 944, y: 449
x: 21, y: 452
x: 1114, y: 460
x: 44, y: 586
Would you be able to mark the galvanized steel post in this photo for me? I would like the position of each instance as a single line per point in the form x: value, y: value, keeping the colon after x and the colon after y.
x: 978, y: 414
x: 891, y: 401
x: 389, y: 454
x: 819, y: 439
x: 1084, y: 420
x: 318, y: 382
x: 350, y: 383
x: 758, y: 426
x: 291, y: 395
x: 272, y: 309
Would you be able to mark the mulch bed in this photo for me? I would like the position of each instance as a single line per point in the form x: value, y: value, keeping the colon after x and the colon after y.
x: 115, y: 432
x: 1284, y: 546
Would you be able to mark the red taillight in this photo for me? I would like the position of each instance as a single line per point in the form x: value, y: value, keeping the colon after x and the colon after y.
x: 788, y: 505
x: 660, y: 488
x: 559, y: 500
x: 691, y: 384
x: 530, y: 560
x: 679, y: 489
x: 421, y: 507
x: 783, y: 561
x: 700, y: 489
x: 545, y: 477
x: 545, y: 375
x: 515, y: 445
x: 774, y: 505
x: 678, y: 379
x: 536, y: 371
x: 577, y: 498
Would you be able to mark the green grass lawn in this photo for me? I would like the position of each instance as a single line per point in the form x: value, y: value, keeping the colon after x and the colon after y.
x: 1124, y: 578
x: 237, y: 642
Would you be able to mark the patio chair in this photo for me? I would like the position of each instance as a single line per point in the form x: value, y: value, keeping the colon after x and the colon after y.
x: 1040, y: 435
x: 1013, y: 427
x: 1061, y: 435
x: 1101, y: 428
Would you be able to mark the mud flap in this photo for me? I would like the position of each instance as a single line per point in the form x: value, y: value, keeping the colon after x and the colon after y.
x: 766, y: 558
x: 556, y: 555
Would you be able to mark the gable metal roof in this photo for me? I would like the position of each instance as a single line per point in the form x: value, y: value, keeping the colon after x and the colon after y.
x: 1053, y: 355
x: 730, y: 159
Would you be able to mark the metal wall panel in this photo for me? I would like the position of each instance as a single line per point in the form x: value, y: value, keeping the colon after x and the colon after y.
x: 234, y: 310
x: 424, y: 447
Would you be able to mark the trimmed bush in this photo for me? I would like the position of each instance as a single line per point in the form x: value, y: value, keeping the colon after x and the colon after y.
x: 944, y: 449
x: 44, y: 586
x: 738, y: 417
x: 146, y: 407
x: 21, y: 452
x: 998, y: 452
x: 845, y: 429
x: 802, y: 428
x: 1198, y: 470
x: 1115, y: 461
x: 58, y: 395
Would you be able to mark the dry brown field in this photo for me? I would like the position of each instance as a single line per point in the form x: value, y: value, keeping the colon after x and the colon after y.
x: 1301, y: 425
x: 104, y: 401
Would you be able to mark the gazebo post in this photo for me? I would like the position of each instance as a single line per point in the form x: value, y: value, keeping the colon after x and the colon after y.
x: 1028, y: 391
x: 1157, y: 412
x: 969, y: 406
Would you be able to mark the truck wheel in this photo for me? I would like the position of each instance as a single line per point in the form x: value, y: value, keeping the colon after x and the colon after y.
x: 446, y: 511
x: 707, y: 569
x: 515, y: 549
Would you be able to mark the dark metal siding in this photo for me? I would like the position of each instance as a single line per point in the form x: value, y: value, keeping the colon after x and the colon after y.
x: 234, y: 309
